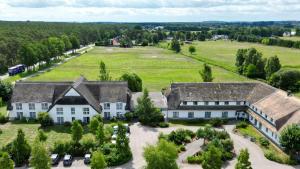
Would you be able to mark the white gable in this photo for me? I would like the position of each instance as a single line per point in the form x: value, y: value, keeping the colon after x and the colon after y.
x: 72, y: 92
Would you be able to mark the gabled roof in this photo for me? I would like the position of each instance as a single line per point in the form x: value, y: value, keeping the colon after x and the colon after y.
x: 93, y: 92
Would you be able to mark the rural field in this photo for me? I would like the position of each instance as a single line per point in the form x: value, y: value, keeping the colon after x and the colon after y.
x: 222, y: 53
x: 156, y: 66
x: 293, y: 38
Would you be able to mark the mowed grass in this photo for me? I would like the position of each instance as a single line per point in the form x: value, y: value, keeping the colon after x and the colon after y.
x: 156, y: 66
x: 223, y: 53
x: 293, y: 38
x: 3, y: 110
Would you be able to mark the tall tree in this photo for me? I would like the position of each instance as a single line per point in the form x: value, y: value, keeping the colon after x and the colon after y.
x: 5, y: 161
x: 161, y: 156
x: 98, y: 160
x: 41, y: 136
x: 93, y: 125
x: 100, y: 134
x: 29, y: 55
x: 212, y: 158
x: 175, y: 46
x: 104, y: 74
x: 134, y: 81
x: 272, y: 66
x: 243, y: 160
x: 20, y: 149
x: 122, y: 141
x: 39, y: 156
x: 192, y: 49
x: 75, y: 42
x: 77, y: 131
x: 206, y: 73
x: 67, y: 42
x: 290, y: 138
x: 147, y: 113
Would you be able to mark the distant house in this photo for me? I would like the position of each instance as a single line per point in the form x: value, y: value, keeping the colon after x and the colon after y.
x: 293, y: 33
x: 286, y: 34
x: 157, y: 98
x: 267, y: 108
x: 115, y: 41
x: 219, y: 37
x: 68, y: 101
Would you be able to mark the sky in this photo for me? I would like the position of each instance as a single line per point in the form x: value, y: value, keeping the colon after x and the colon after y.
x: 149, y: 10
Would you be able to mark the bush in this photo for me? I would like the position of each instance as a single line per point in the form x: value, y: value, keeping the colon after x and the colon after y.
x: 129, y: 116
x: 45, y: 119
x: 181, y: 136
x: 61, y: 148
x: 241, y: 124
x: 264, y: 142
x: 162, y: 136
x: 3, y: 119
x: 216, y: 122
x: 1, y: 131
x: 88, y: 144
x: 195, y: 159
x: 163, y: 125
x: 67, y: 124
x: 182, y: 148
x: 221, y: 135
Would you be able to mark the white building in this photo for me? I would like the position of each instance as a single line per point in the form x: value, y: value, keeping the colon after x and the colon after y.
x: 68, y: 101
x: 267, y: 108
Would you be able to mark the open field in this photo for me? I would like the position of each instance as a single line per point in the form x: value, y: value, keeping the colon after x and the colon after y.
x: 293, y: 38
x: 157, y: 67
x: 222, y: 53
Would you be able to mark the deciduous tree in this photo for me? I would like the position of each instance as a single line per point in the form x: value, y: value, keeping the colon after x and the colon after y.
x: 39, y: 156
x: 104, y: 74
x: 5, y: 161
x: 290, y: 138
x: 98, y: 160
x: 212, y: 158
x: 206, y: 73
x: 243, y: 160
x: 20, y: 149
x: 272, y: 66
x: 192, y: 49
x: 134, y: 81
x: 77, y: 131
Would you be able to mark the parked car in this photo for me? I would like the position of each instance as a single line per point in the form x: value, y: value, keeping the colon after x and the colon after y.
x: 68, y: 159
x: 54, y: 159
x: 114, y: 136
x: 87, y: 158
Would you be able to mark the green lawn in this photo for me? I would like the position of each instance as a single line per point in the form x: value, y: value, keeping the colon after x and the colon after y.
x: 3, y: 110
x: 222, y: 53
x: 293, y: 38
x: 156, y: 66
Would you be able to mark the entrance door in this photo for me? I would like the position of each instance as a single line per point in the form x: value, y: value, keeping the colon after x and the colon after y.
x: 107, y: 115
x: 86, y: 120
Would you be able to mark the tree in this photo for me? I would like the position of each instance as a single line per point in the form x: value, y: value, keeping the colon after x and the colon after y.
x: 147, y: 113
x: 93, y: 125
x: 272, y: 66
x: 5, y: 90
x: 122, y: 141
x: 243, y: 160
x: 75, y: 42
x: 45, y: 119
x: 98, y: 160
x: 39, y: 156
x: 290, y: 138
x: 207, y: 133
x: 161, y: 156
x: 212, y: 158
x: 175, y: 46
x: 192, y: 49
x: 67, y: 42
x: 77, y: 131
x: 104, y: 74
x: 206, y: 73
x: 42, y: 136
x: 250, y: 71
x: 286, y: 79
x: 20, y: 149
x: 100, y: 134
x: 134, y: 81
x: 29, y: 56
x: 5, y: 161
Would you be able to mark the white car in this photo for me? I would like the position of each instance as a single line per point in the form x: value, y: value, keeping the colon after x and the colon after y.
x: 115, y: 133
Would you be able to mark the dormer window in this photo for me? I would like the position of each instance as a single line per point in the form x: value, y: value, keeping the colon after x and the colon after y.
x: 206, y: 103
x: 226, y: 103
x: 184, y: 103
x: 238, y: 103
x: 217, y: 103
x: 195, y: 103
x: 266, y: 116
x: 271, y: 119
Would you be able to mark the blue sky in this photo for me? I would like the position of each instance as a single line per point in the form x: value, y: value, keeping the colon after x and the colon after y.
x: 149, y: 10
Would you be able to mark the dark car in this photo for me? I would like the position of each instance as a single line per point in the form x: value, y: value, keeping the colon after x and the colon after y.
x: 54, y: 159
x: 68, y: 159
x: 87, y: 158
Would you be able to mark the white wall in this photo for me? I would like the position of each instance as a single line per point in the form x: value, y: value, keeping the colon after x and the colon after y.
x: 25, y: 110
x: 113, y: 109
x: 199, y: 113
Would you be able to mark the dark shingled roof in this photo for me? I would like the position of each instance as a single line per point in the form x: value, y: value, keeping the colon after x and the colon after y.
x: 92, y: 92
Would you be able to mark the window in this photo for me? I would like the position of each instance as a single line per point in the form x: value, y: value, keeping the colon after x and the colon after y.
x: 60, y: 120
x: 73, y: 118
x: 205, y: 103
x: 238, y: 103
x: 106, y: 115
x: 267, y: 130
x: 272, y: 133
x: 31, y: 106
x: 275, y: 136
x: 225, y: 114
x: 86, y: 120
x: 106, y: 106
x: 195, y: 103
x: 59, y: 111
x: 119, y: 106
x: 217, y: 103
x: 271, y: 119
x: 19, y: 106
x: 86, y: 110
x: 207, y: 114
x: 72, y: 110
x: 251, y: 117
x: 191, y: 115
x: 266, y: 116
x: 184, y: 103
x: 175, y: 114
x: 20, y: 115
x: 119, y: 114
x: 226, y: 103
x: 32, y: 115
x: 45, y: 106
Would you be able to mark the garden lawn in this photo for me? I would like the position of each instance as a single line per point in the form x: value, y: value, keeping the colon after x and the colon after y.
x: 3, y: 110
x: 253, y: 132
x: 222, y: 53
x: 156, y: 66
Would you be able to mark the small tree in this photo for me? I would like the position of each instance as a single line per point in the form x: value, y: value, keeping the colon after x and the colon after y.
x: 192, y: 49
x: 161, y: 156
x: 77, y: 131
x: 212, y: 158
x: 290, y: 138
x: 122, y: 142
x: 39, y: 156
x: 45, y: 119
x: 272, y: 66
x: 206, y: 73
x: 147, y: 113
x: 243, y: 160
x: 42, y: 136
x: 175, y: 46
x: 93, y: 125
x: 20, y: 149
x: 104, y: 74
x: 100, y: 134
x: 98, y: 160
x: 134, y: 82
x: 5, y: 161
x: 207, y: 133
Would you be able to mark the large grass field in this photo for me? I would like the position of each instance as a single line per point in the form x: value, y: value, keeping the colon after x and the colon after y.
x: 156, y: 66
x: 293, y: 38
x: 223, y: 53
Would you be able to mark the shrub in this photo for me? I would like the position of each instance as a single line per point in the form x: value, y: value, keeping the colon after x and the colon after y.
x: 61, y: 148
x: 129, y: 116
x: 67, y: 124
x: 182, y: 148
x: 221, y: 135
x: 241, y: 124
x: 195, y: 159
x: 264, y: 142
x: 181, y: 136
x: 163, y: 125
x: 45, y: 119
x: 88, y: 144
x: 162, y: 136
x: 1, y: 131
x: 3, y: 119
x: 216, y: 122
